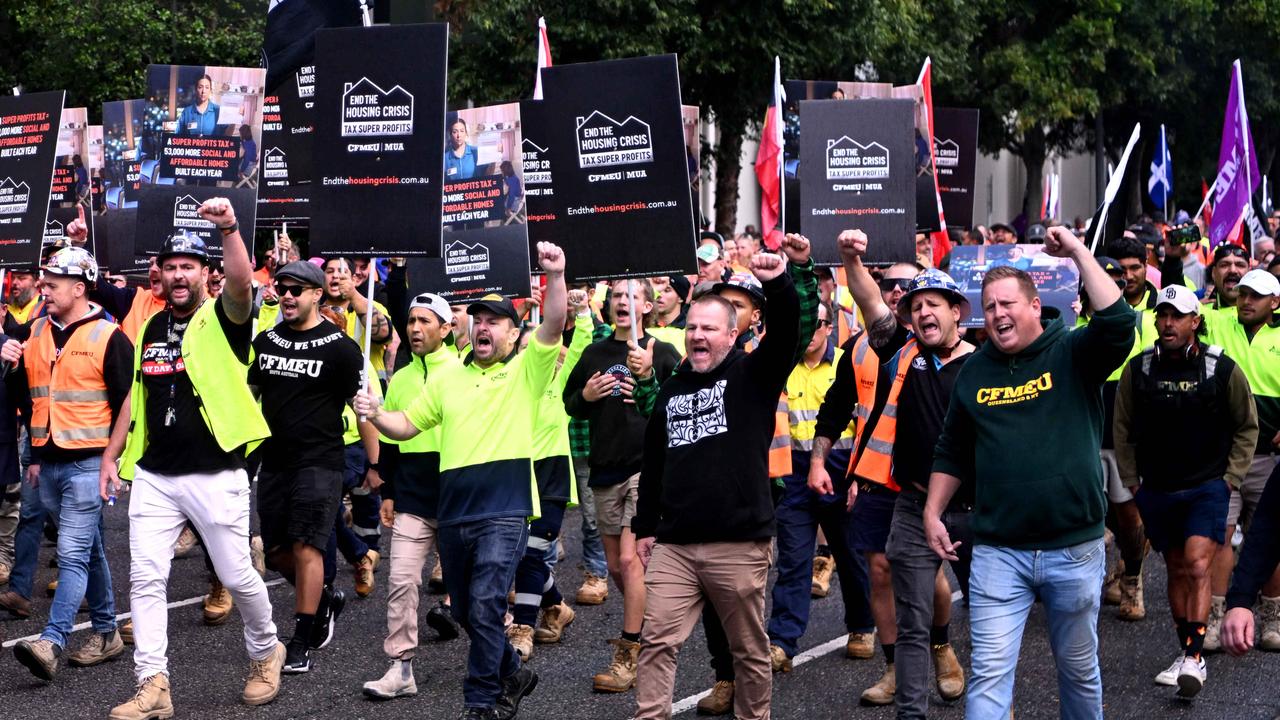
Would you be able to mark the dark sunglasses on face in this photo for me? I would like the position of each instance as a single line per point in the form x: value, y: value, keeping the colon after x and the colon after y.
x: 294, y: 290
x: 891, y: 284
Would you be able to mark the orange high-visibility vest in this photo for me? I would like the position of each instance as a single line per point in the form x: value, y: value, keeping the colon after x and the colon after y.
x: 145, y: 304
x: 68, y: 391
x: 875, y: 461
x: 780, y: 443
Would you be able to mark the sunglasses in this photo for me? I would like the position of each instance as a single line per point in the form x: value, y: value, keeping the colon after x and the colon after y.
x: 891, y: 284
x: 824, y: 323
x: 294, y: 290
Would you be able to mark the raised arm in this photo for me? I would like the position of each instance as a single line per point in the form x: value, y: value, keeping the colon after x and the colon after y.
x: 555, y: 298
x: 237, y: 289
x: 879, y: 320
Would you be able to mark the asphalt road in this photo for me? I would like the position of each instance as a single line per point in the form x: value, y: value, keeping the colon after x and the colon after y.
x: 208, y: 664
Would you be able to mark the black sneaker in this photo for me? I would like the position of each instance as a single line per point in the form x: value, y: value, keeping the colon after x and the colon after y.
x: 440, y: 619
x: 475, y: 713
x: 514, y: 689
x: 297, y: 658
x: 322, y: 631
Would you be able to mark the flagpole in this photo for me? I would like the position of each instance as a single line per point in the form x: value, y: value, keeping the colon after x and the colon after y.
x: 1205, y: 203
x: 1243, y: 119
x: 782, y: 156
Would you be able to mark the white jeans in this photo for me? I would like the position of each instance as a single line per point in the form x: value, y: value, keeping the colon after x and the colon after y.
x: 218, y: 505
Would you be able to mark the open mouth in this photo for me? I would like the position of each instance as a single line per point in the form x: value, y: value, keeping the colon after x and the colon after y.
x: 928, y: 326
x: 484, y: 342
x: 1004, y: 330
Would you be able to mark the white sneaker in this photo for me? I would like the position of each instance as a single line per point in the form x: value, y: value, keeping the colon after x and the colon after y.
x: 1169, y: 677
x: 398, y: 682
x: 1191, y: 677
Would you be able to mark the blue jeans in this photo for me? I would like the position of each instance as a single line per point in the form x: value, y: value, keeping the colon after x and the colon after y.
x: 479, y: 561
x: 69, y: 491
x: 26, y: 541
x: 1003, y: 585
x: 799, y: 515
x: 592, y: 546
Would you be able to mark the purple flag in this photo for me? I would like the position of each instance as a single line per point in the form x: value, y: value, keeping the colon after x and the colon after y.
x: 1237, y: 165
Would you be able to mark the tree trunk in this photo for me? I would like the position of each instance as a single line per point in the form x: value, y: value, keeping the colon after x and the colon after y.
x: 1033, y: 156
x: 728, y: 162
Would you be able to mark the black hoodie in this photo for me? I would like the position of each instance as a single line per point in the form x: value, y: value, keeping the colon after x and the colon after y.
x: 706, y: 472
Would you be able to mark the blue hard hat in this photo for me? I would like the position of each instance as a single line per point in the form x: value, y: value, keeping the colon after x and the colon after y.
x: 937, y: 281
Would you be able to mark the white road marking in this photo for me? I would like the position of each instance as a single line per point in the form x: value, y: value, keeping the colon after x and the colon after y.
x: 125, y: 616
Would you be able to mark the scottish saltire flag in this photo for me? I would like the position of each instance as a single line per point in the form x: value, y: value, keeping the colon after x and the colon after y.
x: 1160, y: 182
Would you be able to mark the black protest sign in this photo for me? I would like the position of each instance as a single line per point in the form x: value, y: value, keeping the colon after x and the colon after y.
x: 201, y: 132
x: 1057, y: 279
x: 28, y: 146
x: 623, y: 206
x: 124, y: 150
x: 539, y: 191
x: 377, y: 176
x: 115, y: 242
x: 475, y: 264
x: 167, y: 209
x: 858, y: 172
x: 955, y: 146
x: 288, y: 126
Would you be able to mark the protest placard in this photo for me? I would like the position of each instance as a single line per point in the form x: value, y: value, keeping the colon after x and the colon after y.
x: 1057, y: 279
x: 28, y: 146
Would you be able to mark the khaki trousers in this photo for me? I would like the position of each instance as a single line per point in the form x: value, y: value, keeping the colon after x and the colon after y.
x: 680, y: 578
x: 412, y: 539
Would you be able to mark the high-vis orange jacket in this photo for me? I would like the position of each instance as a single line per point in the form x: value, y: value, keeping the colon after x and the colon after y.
x: 69, y: 400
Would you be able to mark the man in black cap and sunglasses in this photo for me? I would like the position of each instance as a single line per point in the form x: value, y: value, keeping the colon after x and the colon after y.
x: 304, y: 370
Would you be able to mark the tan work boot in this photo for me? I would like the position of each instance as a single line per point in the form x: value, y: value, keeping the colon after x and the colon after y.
x: 822, y: 569
x: 947, y: 672
x: 186, y: 542
x: 5, y: 572
x: 521, y: 638
x: 860, y: 646
x: 363, y: 572
x: 720, y: 701
x: 1269, y: 622
x: 52, y: 588
x: 40, y: 657
x: 217, y: 604
x: 883, y: 691
x: 594, y: 590
x: 258, y: 556
x: 126, y: 632
x: 152, y: 701
x: 1131, y: 605
x: 552, y: 624
x: 264, y: 678
x: 621, y: 675
x: 98, y: 648
x: 779, y: 660
x: 17, y: 605
x: 435, y: 583
x: 1213, y: 628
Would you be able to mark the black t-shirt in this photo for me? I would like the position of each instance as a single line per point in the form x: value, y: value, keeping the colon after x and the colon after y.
x: 304, y: 378
x: 184, y: 444
x: 922, y: 407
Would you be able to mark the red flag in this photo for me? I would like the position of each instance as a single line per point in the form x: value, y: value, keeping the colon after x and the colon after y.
x: 1208, y: 204
x: 941, y: 240
x: 769, y: 165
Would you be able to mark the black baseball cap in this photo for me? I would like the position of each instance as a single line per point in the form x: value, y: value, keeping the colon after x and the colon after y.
x: 496, y: 304
x: 302, y: 271
x: 680, y: 284
x: 184, y: 243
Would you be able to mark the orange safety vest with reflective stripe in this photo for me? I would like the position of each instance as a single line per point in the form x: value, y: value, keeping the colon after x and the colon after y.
x: 780, y: 443
x: 68, y: 391
x: 145, y: 304
x: 866, y: 373
x: 875, y: 462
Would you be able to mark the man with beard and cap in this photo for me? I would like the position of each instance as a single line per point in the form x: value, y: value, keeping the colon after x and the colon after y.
x: 182, y: 439
x: 411, y: 492
x: 343, y: 293
x: 78, y: 367
x: 485, y: 410
x: 24, y: 301
x: 1182, y: 388
x: 1252, y: 339
x: 894, y: 448
x: 599, y: 390
x: 712, y: 266
x: 305, y: 371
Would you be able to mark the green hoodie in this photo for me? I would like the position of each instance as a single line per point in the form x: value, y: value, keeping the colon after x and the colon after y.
x: 1026, y: 429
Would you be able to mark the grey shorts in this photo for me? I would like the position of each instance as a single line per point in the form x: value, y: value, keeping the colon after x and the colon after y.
x: 1116, y: 491
x: 1245, y: 500
x: 616, y: 505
